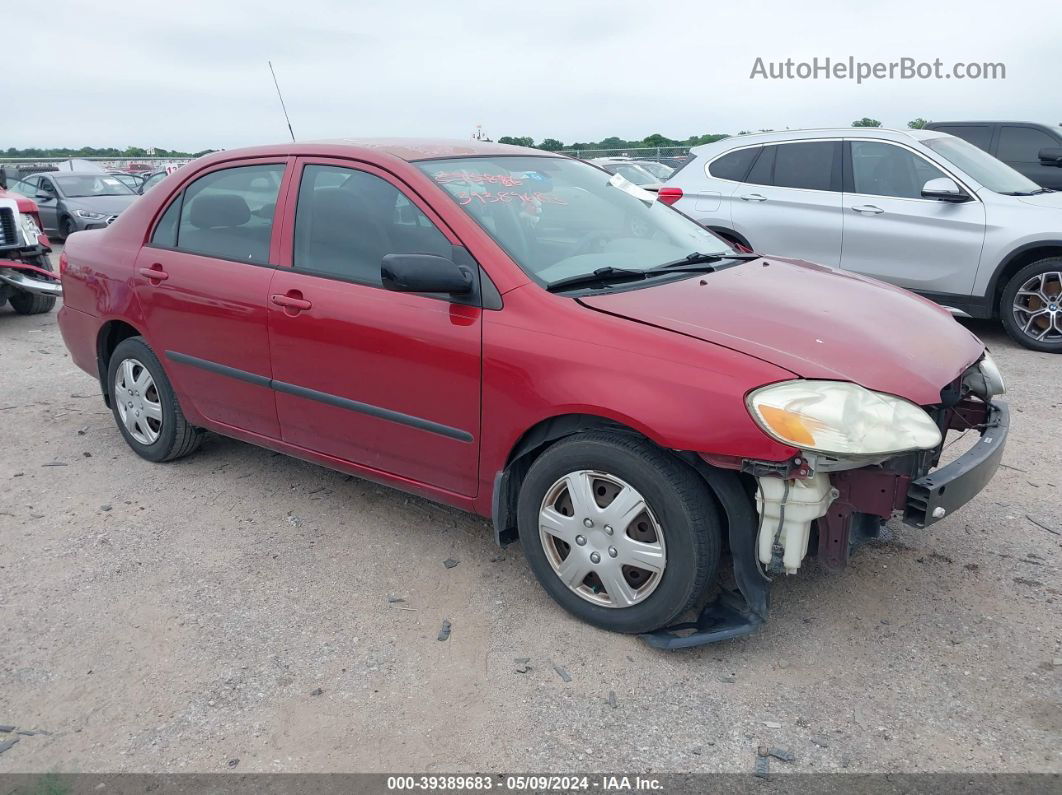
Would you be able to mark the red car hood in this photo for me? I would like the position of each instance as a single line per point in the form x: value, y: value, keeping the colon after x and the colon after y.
x: 814, y: 321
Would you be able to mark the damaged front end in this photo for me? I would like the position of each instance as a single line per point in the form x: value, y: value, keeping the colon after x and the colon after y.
x: 825, y: 504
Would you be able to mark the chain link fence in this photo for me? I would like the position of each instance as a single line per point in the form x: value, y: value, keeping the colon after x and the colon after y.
x: 660, y: 154
x: 23, y: 166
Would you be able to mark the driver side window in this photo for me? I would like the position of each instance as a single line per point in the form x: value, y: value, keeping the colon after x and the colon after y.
x: 882, y: 169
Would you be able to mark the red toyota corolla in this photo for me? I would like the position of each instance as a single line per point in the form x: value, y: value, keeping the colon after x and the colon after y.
x: 528, y: 337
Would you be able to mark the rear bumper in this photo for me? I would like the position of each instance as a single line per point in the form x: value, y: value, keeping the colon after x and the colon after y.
x: 938, y: 494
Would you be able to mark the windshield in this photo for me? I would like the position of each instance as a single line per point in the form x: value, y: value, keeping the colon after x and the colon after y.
x: 559, y: 218
x: 91, y: 185
x: 994, y: 174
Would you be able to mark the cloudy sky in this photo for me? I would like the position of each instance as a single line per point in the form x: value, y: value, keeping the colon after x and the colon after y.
x: 193, y: 74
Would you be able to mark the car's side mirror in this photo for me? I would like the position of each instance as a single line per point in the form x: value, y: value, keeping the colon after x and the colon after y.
x: 1051, y: 156
x: 945, y: 190
x: 44, y: 194
x: 424, y: 273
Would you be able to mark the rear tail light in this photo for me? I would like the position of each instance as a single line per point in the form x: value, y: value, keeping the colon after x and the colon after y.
x: 62, y: 263
x: 669, y: 195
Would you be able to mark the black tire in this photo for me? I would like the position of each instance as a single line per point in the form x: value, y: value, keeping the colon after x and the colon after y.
x: 1007, y: 313
x: 66, y: 227
x: 176, y: 437
x: 676, y: 496
x: 30, y: 303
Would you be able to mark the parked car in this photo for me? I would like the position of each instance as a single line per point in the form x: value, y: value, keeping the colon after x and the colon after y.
x: 658, y: 170
x: 131, y: 181
x: 921, y: 209
x: 629, y: 170
x: 26, y: 280
x: 151, y: 180
x: 610, y: 382
x: 1034, y: 150
x: 71, y: 202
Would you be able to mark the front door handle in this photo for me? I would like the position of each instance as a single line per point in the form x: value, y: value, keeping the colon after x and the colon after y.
x: 292, y: 301
x: 155, y: 274
x: 753, y: 197
x: 868, y: 209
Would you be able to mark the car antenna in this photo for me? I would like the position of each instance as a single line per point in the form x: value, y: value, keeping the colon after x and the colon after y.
x: 283, y: 107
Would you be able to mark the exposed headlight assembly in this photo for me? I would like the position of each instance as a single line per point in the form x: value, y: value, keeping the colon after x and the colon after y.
x: 839, y: 418
x: 89, y: 214
x: 984, y: 379
x: 29, y: 229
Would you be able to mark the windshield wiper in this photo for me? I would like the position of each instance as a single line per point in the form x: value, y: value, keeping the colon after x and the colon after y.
x: 698, y: 258
x: 600, y: 276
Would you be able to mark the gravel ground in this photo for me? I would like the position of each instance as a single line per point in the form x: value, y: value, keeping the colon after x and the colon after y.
x: 239, y: 609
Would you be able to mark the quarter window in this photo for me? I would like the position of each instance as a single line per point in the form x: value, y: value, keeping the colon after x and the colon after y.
x: 348, y: 220
x: 1023, y: 144
x: 735, y: 165
x: 880, y: 169
x: 228, y: 214
x: 165, y: 234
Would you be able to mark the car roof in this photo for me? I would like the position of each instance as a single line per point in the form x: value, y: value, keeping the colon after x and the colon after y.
x: 408, y: 149
x: 778, y: 136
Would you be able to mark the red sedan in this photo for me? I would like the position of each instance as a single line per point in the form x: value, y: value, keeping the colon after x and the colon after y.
x: 525, y: 336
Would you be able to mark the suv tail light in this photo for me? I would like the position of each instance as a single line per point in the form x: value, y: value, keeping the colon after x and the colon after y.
x: 669, y: 195
x: 62, y: 263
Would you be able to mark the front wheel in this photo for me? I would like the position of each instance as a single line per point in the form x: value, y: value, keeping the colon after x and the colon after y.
x: 31, y: 303
x: 617, y: 531
x: 66, y: 228
x: 145, y: 406
x: 1031, y: 306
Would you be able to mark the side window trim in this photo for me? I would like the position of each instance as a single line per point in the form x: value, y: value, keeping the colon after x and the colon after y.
x: 850, y: 177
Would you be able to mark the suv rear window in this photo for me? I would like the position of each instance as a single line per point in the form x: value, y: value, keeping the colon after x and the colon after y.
x: 734, y: 165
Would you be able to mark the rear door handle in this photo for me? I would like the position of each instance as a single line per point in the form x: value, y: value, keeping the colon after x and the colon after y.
x: 868, y: 209
x: 155, y: 273
x: 753, y: 197
x: 291, y: 300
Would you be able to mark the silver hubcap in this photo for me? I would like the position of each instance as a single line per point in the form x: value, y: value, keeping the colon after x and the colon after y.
x: 601, y: 539
x: 1038, y: 307
x: 138, y: 402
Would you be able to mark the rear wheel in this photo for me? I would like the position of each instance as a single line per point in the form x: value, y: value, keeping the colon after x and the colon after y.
x: 1031, y: 305
x: 617, y: 531
x: 30, y: 303
x: 144, y: 405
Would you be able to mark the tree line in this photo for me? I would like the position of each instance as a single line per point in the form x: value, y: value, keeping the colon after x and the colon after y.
x: 659, y: 140
x: 107, y: 151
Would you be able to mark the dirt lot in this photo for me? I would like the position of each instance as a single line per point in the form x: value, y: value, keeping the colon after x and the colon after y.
x: 232, y: 610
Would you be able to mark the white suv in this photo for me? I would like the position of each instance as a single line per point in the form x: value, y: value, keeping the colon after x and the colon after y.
x: 921, y: 209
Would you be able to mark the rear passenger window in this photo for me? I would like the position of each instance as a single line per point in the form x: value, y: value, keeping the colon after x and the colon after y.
x: 735, y: 165
x: 805, y: 165
x: 228, y: 214
x: 763, y: 170
x: 1023, y: 144
x: 348, y: 220
x: 165, y: 234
